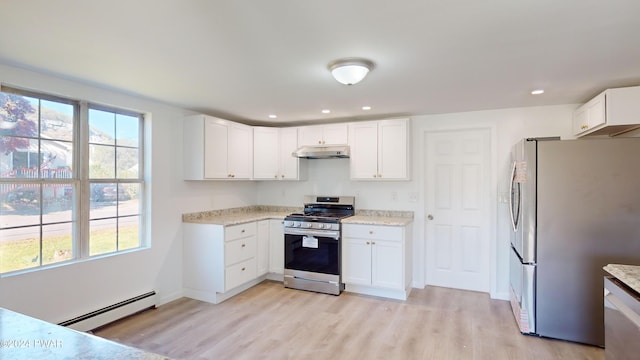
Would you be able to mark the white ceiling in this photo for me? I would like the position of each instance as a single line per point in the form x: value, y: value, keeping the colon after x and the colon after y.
x: 244, y: 60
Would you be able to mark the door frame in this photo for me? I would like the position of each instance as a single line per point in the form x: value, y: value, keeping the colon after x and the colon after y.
x: 491, y: 206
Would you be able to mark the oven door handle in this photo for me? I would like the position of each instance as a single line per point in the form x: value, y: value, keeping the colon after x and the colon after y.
x: 317, y: 233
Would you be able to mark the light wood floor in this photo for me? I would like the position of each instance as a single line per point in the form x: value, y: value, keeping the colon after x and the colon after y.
x: 271, y: 322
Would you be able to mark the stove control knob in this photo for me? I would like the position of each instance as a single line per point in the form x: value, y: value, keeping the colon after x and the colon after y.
x: 296, y: 224
x: 327, y: 226
x: 288, y: 223
x: 307, y: 225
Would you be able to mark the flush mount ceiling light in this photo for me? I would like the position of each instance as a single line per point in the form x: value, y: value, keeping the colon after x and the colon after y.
x: 350, y: 71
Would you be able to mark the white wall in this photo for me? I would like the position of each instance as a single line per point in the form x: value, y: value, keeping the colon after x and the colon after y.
x: 67, y: 291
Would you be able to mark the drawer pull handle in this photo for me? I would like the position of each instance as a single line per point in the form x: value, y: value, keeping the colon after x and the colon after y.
x: 242, y: 231
x: 368, y: 243
x: 373, y: 243
x: 243, y: 245
x: 243, y: 269
x: 370, y: 232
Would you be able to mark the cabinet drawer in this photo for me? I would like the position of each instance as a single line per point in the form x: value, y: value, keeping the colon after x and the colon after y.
x: 374, y: 232
x: 239, y: 250
x: 239, y: 273
x: 239, y: 231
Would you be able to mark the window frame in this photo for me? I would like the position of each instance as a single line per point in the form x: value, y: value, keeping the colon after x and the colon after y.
x: 86, y: 180
x: 80, y: 181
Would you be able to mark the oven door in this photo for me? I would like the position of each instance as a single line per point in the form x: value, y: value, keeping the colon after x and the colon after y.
x: 312, y: 253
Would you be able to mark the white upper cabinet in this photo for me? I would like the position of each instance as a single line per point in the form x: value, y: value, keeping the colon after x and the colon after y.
x: 290, y: 168
x: 330, y: 134
x: 265, y: 153
x: 216, y: 149
x: 379, y: 150
x: 612, y: 112
x: 272, y: 159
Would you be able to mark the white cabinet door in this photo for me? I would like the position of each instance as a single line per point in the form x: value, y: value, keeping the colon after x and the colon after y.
x: 289, y: 165
x: 392, y: 149
x: 262, y: 258
x: 215, y: 149
x: 364, y: 150
x: 379, y: 150
x: 272, y: 159
x: 386, y: 268
x: 595, y: 110
x: 580, y: 120
x: 310, y: 135
x: 333, y: 134
x: 276, y: 249
x: 336, y: 134
x: 265, y: 153
x: 356, y: 261
x: 240, y: 151
x: 374, y: 256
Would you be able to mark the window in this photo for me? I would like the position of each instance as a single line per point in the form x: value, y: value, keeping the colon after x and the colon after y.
x: 115, y: 182
x: 69, y: 188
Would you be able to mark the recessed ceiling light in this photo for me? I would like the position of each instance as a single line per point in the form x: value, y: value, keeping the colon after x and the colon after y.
x: 366, y: 108
x: 326, y: 111
x: 273, y: 116
x: 537, y: 92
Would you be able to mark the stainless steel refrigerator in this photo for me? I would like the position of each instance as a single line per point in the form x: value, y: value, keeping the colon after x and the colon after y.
x: 575, y: 207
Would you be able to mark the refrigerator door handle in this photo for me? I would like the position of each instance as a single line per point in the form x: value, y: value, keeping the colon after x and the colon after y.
x: 514, y: 226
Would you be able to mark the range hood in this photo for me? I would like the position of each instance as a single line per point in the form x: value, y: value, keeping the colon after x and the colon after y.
x: 322, y: 152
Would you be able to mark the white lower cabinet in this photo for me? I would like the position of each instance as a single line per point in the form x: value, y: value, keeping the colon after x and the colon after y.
x: 276, y: 249
x: 222, y: 261
x: 262, y: 257
x: 376, y: 261
x: 219, y: 261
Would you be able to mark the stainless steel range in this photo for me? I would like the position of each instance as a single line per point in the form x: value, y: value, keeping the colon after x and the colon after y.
x: 312, y: 244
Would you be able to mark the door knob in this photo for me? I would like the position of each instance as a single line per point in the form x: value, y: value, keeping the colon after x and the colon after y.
x: 429, y: 217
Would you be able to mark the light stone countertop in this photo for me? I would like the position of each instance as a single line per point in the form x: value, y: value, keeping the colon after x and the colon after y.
x: 380, y: 217
x: 377, y: 220
x: 247, y: 214
x: 237, y: 216
x: 628, y: 274
x: 27, y: 338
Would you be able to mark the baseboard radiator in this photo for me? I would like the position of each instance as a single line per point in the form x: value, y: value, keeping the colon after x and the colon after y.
x: 111, y: 313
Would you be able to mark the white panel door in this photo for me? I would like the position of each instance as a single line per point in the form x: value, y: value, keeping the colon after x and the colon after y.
x: 457, y: 191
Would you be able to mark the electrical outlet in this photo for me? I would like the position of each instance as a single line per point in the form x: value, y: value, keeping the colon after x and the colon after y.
x: 413, y: 197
